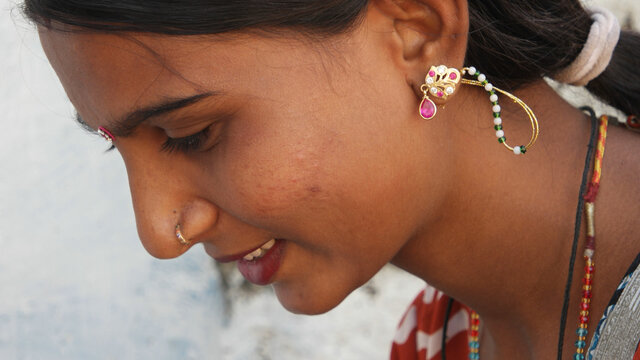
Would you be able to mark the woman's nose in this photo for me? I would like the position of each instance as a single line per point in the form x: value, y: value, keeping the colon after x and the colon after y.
x: 166, y: 197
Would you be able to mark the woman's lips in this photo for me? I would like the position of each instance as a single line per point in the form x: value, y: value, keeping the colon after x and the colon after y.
x: 260, y: 270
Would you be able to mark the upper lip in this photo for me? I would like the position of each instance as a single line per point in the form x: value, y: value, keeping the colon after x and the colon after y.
x: 238, y: 256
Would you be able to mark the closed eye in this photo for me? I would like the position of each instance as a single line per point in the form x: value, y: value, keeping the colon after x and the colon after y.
x: 186, y: 144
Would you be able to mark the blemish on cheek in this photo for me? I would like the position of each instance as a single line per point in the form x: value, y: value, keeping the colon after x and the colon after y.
x: 314, y: 189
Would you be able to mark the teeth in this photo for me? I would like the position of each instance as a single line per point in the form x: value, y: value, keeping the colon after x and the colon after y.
x: 269, y: 244
x: 256, y: 253
x: 259, y: 252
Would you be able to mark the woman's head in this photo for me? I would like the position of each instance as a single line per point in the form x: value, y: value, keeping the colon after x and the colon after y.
x: 299, y: 118
x: 305, y: 141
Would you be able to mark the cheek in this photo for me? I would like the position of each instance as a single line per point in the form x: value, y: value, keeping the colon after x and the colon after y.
x: 274, y: 178
x: 282, y: 190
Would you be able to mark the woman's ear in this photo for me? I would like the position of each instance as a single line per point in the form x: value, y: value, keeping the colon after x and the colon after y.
x: 424, y: 33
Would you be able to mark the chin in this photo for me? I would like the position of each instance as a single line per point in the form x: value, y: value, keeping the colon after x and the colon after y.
x: 313, y: 301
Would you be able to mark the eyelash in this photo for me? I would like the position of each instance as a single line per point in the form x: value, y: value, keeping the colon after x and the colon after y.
x: 186, y: 144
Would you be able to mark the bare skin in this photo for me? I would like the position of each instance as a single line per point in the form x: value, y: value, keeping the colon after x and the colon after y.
x: 320, y: 143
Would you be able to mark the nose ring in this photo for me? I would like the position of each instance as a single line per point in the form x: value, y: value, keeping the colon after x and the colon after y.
x: 181, y: 238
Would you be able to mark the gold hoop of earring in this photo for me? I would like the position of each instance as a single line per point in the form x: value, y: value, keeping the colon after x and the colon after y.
x: 441, y: 82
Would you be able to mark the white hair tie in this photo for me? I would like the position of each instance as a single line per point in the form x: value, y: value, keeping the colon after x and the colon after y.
x: 597, y: 51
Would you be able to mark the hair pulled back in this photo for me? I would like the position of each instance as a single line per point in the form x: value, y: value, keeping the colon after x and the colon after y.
x: 513, y: 42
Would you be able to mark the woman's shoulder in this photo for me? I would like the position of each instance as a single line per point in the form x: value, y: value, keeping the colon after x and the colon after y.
x: 419, y: 334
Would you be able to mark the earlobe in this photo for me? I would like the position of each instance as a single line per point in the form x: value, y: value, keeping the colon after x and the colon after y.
x: 430, y: 32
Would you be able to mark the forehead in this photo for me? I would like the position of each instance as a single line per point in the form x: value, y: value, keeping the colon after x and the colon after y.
x: 107, y: 75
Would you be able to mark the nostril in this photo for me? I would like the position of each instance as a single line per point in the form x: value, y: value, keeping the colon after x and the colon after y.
x: 196, y: 220
x: 161, y: 236
x: 168, y: 232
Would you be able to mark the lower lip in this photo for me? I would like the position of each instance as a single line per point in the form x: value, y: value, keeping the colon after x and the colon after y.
x: 261, y: 271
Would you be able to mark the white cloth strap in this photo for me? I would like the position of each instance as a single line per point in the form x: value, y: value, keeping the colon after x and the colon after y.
x: 597, y: 51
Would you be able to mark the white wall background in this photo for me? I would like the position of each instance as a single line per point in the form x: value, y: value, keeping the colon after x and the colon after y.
x: 75, y: 283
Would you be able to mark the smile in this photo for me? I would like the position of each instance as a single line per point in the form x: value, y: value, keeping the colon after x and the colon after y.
x: 259, y: 252
x: 261, y: 265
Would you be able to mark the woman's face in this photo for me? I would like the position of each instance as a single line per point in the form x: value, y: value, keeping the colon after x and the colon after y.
x: 316, y: 143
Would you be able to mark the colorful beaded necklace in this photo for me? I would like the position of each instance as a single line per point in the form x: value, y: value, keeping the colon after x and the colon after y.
x: 474, y: 340
x: 585, y: 302
x: 587, y: 281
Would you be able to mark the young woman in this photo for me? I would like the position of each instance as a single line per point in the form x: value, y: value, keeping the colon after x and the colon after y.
x: 315, y: 141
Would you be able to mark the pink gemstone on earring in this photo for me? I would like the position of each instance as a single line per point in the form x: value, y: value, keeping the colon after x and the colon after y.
x: 432, y: 73
x: 440, y: 94
x: 453, y: 76
x: 427, y: 108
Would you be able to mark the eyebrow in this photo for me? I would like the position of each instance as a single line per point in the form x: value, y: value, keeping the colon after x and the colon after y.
x: 130, y: 121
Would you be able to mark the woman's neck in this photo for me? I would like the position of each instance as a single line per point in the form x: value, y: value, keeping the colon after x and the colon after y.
x: 502, y: 240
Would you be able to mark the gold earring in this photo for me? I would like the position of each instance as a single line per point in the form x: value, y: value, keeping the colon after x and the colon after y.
x: 441, y: 82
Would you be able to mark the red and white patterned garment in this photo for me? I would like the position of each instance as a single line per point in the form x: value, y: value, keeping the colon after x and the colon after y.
x: 419, y: 335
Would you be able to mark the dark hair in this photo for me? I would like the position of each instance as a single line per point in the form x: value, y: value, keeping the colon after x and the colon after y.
x: 513, y: 42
